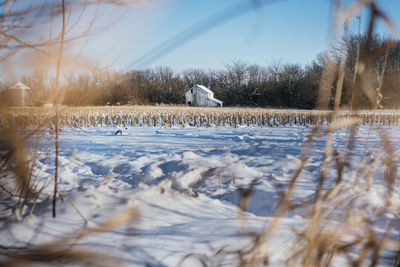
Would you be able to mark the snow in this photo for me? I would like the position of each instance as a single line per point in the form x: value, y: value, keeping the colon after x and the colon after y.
x: 186, y: 184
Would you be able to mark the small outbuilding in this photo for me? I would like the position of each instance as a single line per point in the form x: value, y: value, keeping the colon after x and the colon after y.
x: 200, y: 95
x: 17, y: 95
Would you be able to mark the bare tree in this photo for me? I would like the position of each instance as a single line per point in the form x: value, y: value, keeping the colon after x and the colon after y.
x: 192, y: 77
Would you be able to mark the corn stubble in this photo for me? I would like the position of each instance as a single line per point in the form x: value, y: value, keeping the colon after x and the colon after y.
x: 136, y: 116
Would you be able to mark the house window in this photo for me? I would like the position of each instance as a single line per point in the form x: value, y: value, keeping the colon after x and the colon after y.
x: 191, y: 91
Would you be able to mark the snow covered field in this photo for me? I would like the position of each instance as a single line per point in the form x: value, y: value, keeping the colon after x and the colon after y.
x: 187, y: 184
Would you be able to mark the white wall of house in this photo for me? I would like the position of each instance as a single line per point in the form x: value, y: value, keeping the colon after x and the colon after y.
x: 189, y: 97
x: 199, y: 95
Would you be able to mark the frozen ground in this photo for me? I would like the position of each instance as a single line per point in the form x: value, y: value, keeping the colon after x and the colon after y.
x: 185, y: 183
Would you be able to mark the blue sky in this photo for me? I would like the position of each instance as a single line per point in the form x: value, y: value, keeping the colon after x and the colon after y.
x: 287, y: 31
x: 282, y: 31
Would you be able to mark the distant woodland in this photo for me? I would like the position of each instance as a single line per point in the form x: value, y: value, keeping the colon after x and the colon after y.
x: 240, y: 83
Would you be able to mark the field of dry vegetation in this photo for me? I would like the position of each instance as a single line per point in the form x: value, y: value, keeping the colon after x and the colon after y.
x: 165, y: 116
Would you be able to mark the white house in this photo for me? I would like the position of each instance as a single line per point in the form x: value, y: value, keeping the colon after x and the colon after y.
x: 200, y: 95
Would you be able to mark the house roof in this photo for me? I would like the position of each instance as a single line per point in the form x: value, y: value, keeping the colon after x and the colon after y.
x: 215, y: 100
x: 203, y: 88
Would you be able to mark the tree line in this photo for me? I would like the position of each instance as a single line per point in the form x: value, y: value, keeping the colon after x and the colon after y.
x: 243, y: 84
